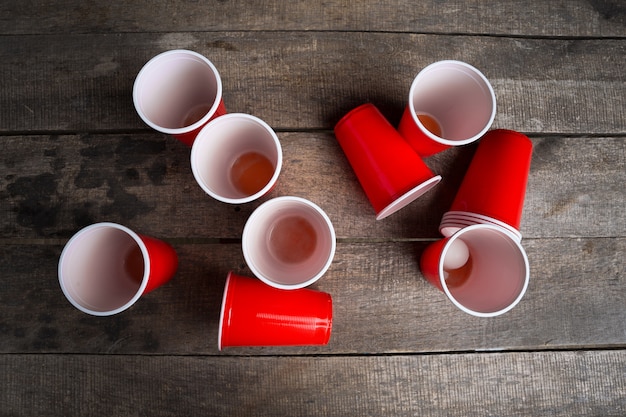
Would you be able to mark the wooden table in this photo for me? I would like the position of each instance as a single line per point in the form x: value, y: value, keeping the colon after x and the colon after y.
x: 75, y: 152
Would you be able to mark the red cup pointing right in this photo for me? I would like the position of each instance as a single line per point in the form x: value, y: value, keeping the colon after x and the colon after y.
x: 390, y: 172
x: 255, y: 314
x: 494, y: 186
x: 106, y: 267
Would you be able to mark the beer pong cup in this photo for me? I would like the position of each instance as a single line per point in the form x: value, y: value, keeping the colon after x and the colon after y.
x: 389, y: 171
x: 451, y: 103
x: 288, y: 242
x: 255, y: 314
x: 177, y: 92
x: 236, y: 158
x: 106, y: 267
x: 494, y: 186
x: 482, y: 269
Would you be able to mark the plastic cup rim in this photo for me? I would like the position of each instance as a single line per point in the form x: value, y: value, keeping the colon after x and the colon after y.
x: 439, y: 139
x: 225, y: 299
x: 457, y: 226
x: 452, y: 217
x: 185, y: 129
x: 203, y: 133
x: 408, y: 197
x: 144, y: 280
x: 443, y: 281
x: 259, y: 274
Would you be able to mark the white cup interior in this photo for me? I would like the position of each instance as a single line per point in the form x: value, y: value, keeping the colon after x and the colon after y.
x: 458, y: 97
x: 497, y: 277
x: 104, y: 269
x: 263, y: 261
x: 174, y: 84
x: 221, y: 142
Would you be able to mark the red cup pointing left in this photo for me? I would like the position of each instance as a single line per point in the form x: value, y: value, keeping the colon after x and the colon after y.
x: 106, y: 267
x: 255, y: 314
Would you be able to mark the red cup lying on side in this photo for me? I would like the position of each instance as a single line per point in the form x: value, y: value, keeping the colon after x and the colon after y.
x: 255, y: 314
x: 389, y: 171
x: 451, y: 103
x: 494, y: 187
x: 106, y: 267
x: 482, y: 269
x: 177, y: 92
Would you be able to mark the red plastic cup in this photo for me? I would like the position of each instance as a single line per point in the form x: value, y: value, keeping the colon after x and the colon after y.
x: 494, y: 186
x: 255, y: 314
x: 236, y: 158
x: 288, y: 242
x: 177, y: 92
x: 482, y: 269
x: 451, y: 103
x: 390, y: 172
x: 106, y: 267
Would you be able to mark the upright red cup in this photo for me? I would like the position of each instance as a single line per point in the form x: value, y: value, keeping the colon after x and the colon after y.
x: 494, y: 186
x: 106, y: 267
x: 482, y: 269
x: 255, y: 314
x: 178, y: 92
x: 390, y: 172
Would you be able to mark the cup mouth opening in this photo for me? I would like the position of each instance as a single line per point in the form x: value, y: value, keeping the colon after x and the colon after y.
x: 145, y: 72
x: 471, y: 72
x: 408, y: 197
x: 525, y: 263
x: 204, y: 136
x: 74, y: 298
x: 225, y: 311
x: 252, y: 256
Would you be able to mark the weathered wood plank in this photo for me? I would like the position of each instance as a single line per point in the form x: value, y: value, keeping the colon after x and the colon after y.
x: 54, y: 185
x: 527, y: 18
x: 308, y: 80
x: 513, y: 384
x: 381, y: 304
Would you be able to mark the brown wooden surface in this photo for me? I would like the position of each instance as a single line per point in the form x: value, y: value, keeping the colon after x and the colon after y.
x: 74, y: 152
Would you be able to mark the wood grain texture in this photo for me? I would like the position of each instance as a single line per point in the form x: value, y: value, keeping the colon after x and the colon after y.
x: 62, y: 183
x: 309, y: 80
x: 528, y: 18
x: 381, y: 304
x: 74, y: 152
x: 513, y: 384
